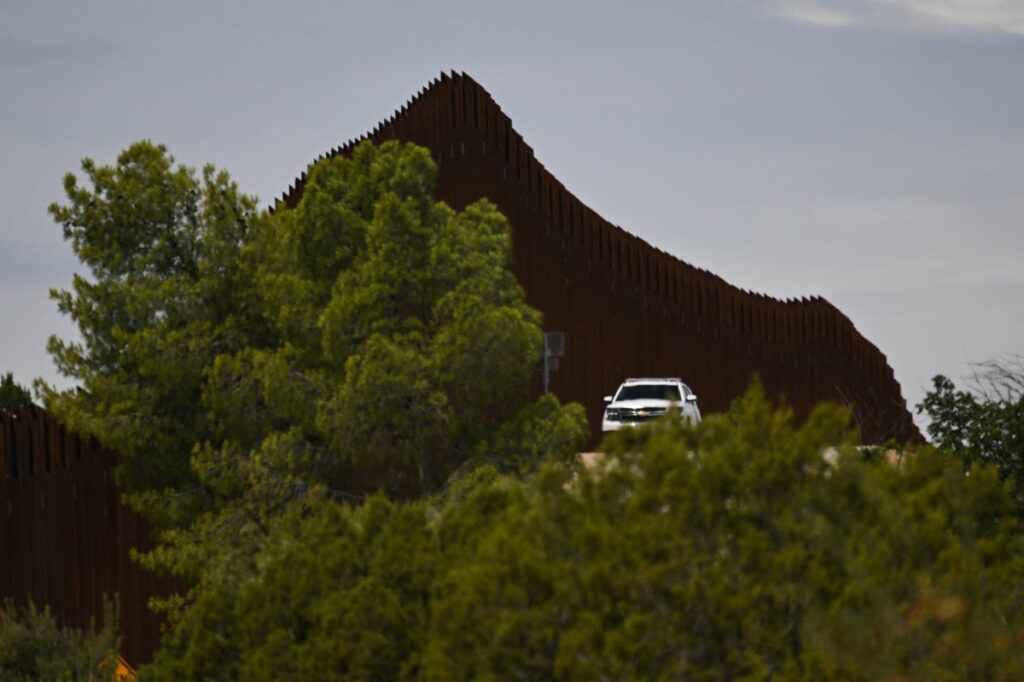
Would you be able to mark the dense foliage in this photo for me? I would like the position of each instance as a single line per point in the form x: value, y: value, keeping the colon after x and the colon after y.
x: 13, y: 396
x: 33, y: 648
x: 731, y: 551
x: 325, y: 410
x: 370, y: 339
x: 985, y: 424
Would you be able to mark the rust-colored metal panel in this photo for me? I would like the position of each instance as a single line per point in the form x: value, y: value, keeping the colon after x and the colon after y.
x: 64, y: 536
x: 626, y: 307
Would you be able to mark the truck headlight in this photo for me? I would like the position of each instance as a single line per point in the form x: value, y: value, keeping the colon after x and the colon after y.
x: 616, y: 414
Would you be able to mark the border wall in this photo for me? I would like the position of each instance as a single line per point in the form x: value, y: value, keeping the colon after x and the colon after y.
x: 627, y: 308
x: 65, y: 537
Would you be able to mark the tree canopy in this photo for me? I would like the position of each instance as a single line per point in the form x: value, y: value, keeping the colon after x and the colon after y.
x: 985, y: 424
x: 370, y: 339
x: 733, y: 550
x: 13, y: 396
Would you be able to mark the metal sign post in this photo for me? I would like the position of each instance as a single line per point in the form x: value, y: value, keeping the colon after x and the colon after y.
x: 554, y: 348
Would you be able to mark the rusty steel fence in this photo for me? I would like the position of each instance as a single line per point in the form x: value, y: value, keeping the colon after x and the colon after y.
x: 65, y: 537
x: 627, y: 308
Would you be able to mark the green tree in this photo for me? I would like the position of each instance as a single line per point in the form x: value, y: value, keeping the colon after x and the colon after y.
x: 164, y: 296
x: 13, y: 396
x: 370, y: 339
x: 985, y: 424
x: 34, y: 648
x: 733, y: 550
x: 340, y: 593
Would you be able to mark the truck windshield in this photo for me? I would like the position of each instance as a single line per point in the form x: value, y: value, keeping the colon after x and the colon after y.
x: 649, y: 392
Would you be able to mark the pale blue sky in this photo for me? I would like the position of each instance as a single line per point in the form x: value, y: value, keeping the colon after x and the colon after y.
x: 870, y: 151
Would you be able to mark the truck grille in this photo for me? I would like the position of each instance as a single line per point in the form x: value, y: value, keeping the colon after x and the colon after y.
x: 640, y: 415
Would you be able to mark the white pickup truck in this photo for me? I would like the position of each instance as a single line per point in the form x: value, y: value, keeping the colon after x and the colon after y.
x: 640, y: 400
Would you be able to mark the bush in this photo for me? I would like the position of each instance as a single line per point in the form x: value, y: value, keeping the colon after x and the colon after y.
x: 13, y: 396
x: 733, y: 550
x: 33, y: 647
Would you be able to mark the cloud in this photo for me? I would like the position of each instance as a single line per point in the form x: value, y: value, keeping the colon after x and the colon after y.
x: 813, y: 13
x: 1002, y: 16
x: 991, y: 15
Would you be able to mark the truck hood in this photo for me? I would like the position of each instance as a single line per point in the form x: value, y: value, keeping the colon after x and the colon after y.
x: 640, y: 404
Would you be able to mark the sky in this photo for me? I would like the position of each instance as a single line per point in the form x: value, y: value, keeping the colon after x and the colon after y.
x: 867, y: 151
